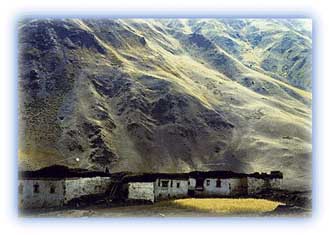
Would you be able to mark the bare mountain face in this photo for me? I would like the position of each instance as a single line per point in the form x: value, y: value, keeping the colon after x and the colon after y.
x: 167, y: 95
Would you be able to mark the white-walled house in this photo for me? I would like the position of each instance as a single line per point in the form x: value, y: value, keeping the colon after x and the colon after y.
x: 213, y: 187
x: 41, y: 193
x: 155, y: 187
x: 57, y: 186
x: 171, y: 187
x: 217, y: 184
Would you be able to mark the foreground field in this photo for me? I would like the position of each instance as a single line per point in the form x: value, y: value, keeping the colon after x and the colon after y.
x: 229, y: 206
x: 175, y: 208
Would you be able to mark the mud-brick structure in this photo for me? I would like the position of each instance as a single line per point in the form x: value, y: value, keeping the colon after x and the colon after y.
x: 57, y: 186
x: 155, y: 187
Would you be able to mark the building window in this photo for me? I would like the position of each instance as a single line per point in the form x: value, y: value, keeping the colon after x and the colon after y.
x: 36, y: 188
x: 199, y: 182
x: 218, y: 183
x: 158, y: 183
x: 171, y: 183
x: 20, y: 188
x: 207, y: 182
x: 178, y: 184
x: 188, y: 182
x: 52, y: 189
x: 165, y: 184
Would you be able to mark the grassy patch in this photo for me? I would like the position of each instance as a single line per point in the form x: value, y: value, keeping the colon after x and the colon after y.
x: 228, y: 205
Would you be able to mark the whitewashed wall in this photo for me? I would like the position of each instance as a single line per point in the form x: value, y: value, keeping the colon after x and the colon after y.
x: 141, y: 191
x: 171, y: 192
x: 65, y: 190
x: 191, y: 183
x: 228, y: 187
x: 29, y: 199
x: 78, y: 187
x: 68, y: 189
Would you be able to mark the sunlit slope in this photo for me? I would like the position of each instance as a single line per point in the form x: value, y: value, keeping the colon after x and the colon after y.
x: 155, y: 95
x: 281, y: 48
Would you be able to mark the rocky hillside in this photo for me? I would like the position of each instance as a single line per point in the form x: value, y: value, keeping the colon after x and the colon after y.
x: 166, y: 95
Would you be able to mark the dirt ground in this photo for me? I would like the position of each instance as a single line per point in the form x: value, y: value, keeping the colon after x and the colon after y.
x: 175, y: 208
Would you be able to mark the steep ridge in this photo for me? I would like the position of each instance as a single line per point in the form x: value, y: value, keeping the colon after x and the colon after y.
x: 280, y: 48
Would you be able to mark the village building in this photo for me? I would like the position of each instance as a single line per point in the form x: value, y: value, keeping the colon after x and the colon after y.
x: 217, y: 184
x: 155, y: 187
x: 57, y: 186
x: 260, y: 181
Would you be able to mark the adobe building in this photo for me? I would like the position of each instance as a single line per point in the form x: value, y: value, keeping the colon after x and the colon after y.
x: 57, y: 186
x: 155, y: 187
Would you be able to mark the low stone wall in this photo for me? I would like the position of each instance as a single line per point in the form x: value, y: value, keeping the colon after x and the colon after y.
x: 276, y: 183
x: 256, y: 185
x: 141, y: 191
x: 75, y: 188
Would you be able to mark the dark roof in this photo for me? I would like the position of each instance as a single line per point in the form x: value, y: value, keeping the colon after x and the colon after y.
x: 272, y: 175
x: 216, y: 174
x: 60, y: 172
x: 230, y: 174
x: 150, y: 177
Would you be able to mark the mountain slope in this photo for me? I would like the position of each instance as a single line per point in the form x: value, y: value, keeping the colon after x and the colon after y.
x: 280, y: 48
x: 165, y: 95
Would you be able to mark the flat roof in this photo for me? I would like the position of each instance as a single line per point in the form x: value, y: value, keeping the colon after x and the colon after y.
x: 57, y: 172
x: 150, y: 177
